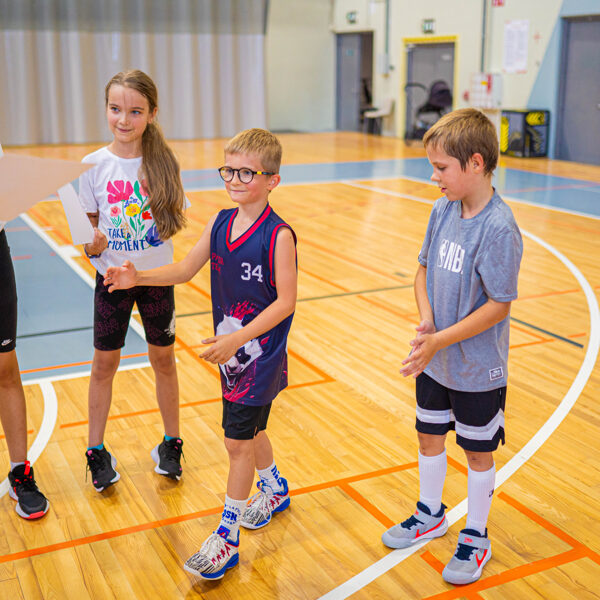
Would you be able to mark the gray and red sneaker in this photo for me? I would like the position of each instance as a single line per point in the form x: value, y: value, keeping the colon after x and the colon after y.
x: 421, y: 526
x: 473, y: 550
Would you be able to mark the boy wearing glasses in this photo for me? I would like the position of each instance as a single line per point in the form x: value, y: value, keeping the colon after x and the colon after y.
x: 252, y: 255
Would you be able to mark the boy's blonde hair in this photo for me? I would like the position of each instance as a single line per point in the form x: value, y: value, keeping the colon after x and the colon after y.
x: 260, y: 142
x: 464, y: 132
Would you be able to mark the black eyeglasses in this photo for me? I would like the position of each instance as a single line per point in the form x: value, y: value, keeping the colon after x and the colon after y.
x: 244, y: 175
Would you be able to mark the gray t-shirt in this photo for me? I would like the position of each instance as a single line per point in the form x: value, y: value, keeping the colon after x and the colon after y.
x: 472, y: 260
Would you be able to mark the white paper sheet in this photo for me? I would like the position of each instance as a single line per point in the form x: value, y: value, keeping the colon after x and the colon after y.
x: 82, y: 231
x: 25, y: 180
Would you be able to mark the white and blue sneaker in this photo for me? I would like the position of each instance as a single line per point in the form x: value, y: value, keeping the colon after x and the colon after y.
x: 218, y: 553
x: 263, y: 504
x: 472, y: 553
x: 421, y: 526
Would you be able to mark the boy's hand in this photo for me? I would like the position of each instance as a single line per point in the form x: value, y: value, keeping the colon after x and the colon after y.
x: 121, y: 278
x: 222, y: 349
x: 424, y: 347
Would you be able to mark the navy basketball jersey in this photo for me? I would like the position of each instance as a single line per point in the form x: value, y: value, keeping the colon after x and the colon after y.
x: 242, y: 286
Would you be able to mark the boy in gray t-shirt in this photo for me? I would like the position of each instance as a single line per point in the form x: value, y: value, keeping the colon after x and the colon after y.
x: 465, y: 282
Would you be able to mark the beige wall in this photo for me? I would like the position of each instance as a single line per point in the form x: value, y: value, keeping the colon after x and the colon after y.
x: 301, y: 52
x: 300, y: 66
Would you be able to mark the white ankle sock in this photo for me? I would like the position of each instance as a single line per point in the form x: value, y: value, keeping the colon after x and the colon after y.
x: 432, y: 474
x: 271, y: 477
x: 232, y: 514
x: 481, y: 490
x: 13, y: 465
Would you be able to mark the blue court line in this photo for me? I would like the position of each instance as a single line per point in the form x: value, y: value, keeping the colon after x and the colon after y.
x: 537, y: 188
x: 55, y: 311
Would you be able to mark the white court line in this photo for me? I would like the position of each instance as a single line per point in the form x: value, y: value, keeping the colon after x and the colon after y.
x: 49, y: 394
x: 45, y: 431
x: 78, y: 374
x: 395, y: 557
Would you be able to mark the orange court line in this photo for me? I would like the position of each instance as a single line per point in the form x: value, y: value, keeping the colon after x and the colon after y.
x: 326, y: 378
x: 547, y: 294
x: 370, y: 508
x: 179, y: 519
x: 406, y: 316
x: 107, y: 535
x: 29, y: 432
x: 458, y: 466
x: 438, y: 566
x: 559, y: 533
x: 513, y: 346
x: 77, y: 364
x: 198, y: 289
x: 511, y: 575
x: 325, y: 280
x: 528, y: 332
x: 345, y: 258
x: 148, y: 411
x: 208, y: 366
x: 47, y: 223
x: 352, y: 479
x: 433, y: 562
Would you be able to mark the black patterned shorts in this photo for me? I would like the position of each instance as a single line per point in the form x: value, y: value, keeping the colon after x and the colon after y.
x: 8, y: 298
x: 112, y: 312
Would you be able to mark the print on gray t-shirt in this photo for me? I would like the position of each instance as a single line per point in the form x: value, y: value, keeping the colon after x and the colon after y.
x: 469, y: 261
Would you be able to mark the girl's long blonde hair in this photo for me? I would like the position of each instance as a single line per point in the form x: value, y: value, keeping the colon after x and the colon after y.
x: 160, y: 170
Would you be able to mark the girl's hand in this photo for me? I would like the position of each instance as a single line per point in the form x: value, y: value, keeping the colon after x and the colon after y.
x: 423, y: 349
x: 121, y: 278
x: 98, y: 245
x: 222, y: 349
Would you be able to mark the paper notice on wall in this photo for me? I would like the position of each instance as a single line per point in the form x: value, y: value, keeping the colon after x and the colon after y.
x: 25, y: 180
x: 516, y: 38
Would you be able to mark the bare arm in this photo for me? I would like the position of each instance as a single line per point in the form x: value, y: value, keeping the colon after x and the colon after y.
x: 122, y: 278
x: 286, y: 277
x: 425, y: 311
x: 428, y: 344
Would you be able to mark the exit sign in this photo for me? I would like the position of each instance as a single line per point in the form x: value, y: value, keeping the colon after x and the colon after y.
x: 428, y: 25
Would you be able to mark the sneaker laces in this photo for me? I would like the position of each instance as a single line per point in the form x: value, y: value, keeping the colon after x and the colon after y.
x: 464, y: 551
x: 412, y: 521
x: 173, y: 450
x: 26, y: 483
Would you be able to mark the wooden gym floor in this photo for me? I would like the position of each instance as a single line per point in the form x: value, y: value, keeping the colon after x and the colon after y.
x: 343, y: 431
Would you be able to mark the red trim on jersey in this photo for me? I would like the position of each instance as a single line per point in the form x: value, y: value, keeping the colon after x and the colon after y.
x: 272, y: 250
x: 233, y: 245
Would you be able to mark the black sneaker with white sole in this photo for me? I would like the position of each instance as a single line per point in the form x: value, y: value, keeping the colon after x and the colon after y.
x: 31, y: 503
x: 102, y: 465
x: 167, y: 456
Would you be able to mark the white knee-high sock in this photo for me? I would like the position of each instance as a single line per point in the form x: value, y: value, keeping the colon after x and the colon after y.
x: 481, y: 490
x: 432, y: 474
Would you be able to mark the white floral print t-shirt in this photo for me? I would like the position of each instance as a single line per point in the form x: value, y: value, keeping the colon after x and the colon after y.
x: 112, y: 189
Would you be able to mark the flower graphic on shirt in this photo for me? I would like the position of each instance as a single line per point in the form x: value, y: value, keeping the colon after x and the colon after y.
x: 134, y: 216
x: 118, y: 191
x: 152, y: 236
x: 132, y: 210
